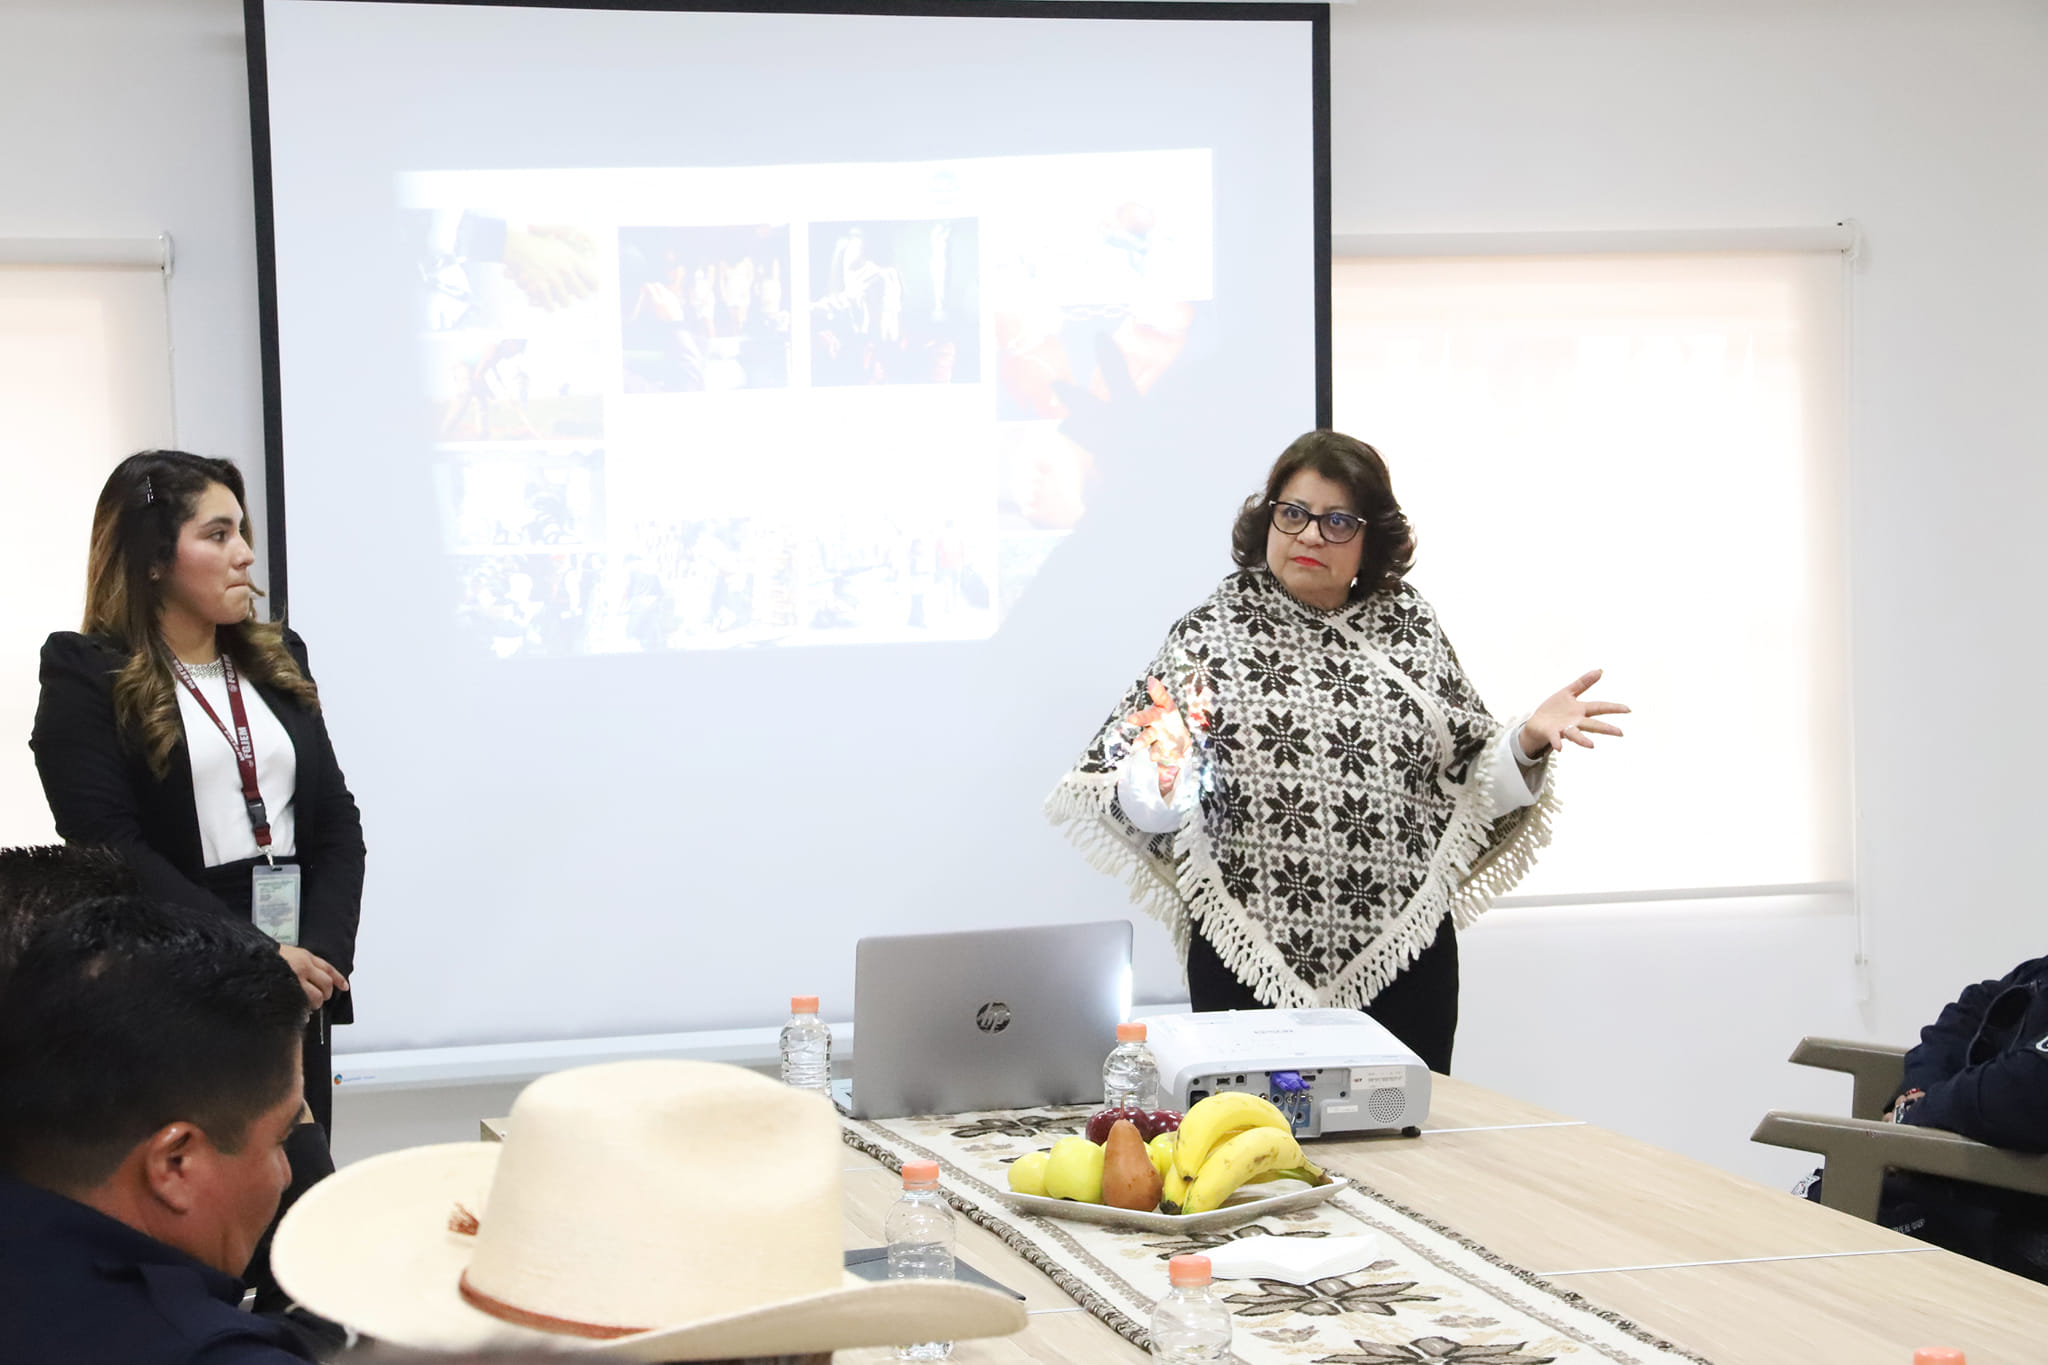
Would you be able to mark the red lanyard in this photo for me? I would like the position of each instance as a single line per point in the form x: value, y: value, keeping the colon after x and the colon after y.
x: 238, y: 740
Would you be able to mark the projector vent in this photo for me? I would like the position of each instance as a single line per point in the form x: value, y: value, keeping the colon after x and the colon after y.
x: 1386, y: 1103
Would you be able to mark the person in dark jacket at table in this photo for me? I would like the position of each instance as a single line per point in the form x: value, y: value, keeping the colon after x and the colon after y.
x: 41, y: 882
x: 149, y: 1080
x: 1981, y: 1070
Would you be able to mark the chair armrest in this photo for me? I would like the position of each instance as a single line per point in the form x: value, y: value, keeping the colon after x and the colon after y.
x: 1859, y: 1151
x: 1877, y: 1067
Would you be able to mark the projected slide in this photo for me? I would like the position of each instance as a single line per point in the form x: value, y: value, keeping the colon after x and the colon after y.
x: 690, y: 409
x: 725, y: 458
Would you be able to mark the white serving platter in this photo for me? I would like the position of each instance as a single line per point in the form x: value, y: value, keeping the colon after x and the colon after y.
x: 1242, y: 1207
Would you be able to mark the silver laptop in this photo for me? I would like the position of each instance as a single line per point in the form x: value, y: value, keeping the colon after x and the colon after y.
x: 987, y: 1019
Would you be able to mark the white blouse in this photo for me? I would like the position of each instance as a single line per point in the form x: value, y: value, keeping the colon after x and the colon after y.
x: 224, y: 833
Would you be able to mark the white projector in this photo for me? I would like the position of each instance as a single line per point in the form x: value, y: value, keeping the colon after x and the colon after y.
x: 1329, y: 1071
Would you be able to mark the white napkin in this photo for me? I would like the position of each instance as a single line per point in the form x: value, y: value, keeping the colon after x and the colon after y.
x: 1292, y: 1260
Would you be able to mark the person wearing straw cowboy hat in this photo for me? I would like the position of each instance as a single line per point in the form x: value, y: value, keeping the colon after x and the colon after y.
x: 648, y: 1210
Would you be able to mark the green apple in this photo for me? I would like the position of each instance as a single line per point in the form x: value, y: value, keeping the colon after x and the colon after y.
x: 1074, y: 1170
x: 1027, y: 1173
x: 1160, y: 1149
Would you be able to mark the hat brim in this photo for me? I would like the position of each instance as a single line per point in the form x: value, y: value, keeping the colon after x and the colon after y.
x: 370, y: 1247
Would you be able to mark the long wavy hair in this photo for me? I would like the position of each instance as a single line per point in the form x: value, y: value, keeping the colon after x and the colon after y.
x: 1389, y: 540
x: 144, y: 505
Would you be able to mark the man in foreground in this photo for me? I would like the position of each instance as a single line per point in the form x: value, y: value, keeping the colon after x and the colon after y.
x: 149, y: 1078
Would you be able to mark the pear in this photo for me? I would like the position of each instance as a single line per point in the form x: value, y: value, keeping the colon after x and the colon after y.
x: 1027, y: 1173
x: 1074, y: 1170
x: 1129, y: 1178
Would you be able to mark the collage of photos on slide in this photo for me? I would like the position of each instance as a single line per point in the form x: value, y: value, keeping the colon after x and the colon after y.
x: 618, y: 410
x: 709, y: 309
x: 712, y: 583
x: 896, y: 302
x: 704, y: 309
x: 512, y: 346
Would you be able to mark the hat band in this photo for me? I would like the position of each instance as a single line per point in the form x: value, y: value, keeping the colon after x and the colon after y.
x: 520, y: 1317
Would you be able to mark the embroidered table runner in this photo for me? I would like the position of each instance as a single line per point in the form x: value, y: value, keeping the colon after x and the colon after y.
x: 1435, y: 1298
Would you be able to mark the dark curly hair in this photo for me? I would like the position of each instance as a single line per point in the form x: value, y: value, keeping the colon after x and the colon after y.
x: 1389, y: 543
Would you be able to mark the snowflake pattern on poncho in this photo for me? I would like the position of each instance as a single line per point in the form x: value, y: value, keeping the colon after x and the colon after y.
x: 1342, y: 792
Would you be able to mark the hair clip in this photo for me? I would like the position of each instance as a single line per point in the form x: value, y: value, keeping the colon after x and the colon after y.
x: 148, y: 491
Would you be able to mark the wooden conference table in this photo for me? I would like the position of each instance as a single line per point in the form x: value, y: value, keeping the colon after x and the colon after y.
x: 1737, y: 1272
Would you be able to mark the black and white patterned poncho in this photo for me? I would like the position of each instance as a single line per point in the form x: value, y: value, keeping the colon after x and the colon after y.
x: 1344, y: 792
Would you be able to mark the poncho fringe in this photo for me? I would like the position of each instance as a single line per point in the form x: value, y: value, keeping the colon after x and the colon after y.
x: 1474, y: 862
x: 1464, y: 887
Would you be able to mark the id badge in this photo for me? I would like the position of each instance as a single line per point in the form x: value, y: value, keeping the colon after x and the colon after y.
x: 274, y: 902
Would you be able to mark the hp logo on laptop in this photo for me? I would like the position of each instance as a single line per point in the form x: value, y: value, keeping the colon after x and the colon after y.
x: 993, y: 1017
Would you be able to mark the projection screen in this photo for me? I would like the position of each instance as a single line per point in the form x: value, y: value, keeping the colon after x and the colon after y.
x: 725, y: 462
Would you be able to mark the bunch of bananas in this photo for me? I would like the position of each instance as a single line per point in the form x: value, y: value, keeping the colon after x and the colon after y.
x: 1227, y: 1141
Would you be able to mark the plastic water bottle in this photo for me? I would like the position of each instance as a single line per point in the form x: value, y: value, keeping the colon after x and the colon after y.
x: 807, y: 1047
x: 1190, y: 1326
x: 1130, y: 1078
x: 920, y: 1233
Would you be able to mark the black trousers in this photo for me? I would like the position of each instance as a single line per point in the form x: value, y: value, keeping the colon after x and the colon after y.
x: 1420, y: 1006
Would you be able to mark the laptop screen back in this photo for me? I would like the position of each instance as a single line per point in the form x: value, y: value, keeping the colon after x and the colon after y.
x: 986, y: 1019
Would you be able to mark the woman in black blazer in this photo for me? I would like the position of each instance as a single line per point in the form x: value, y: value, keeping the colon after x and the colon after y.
x: 170, y: 614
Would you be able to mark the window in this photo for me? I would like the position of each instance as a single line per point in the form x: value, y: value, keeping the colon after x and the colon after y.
x: 84, y: 381
x: 1633, y: 462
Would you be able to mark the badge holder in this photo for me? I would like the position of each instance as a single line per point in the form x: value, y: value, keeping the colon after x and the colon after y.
x: 274, y: 901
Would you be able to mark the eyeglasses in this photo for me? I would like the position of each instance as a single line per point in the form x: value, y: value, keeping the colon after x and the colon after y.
x: 1292, y: 519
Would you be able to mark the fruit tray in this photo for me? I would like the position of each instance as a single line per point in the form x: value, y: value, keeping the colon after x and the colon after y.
x: 1248, y: 1203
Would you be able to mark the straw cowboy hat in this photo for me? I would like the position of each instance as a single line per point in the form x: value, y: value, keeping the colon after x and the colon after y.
x: 652, y: 1210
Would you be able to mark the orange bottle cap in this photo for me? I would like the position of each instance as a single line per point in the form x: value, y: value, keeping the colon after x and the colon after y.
x: 1937, y: 1355
x: 920, y: 1173
x: 803, y: 1004
x: 1130, y: 1033
x: 1188, y: 1270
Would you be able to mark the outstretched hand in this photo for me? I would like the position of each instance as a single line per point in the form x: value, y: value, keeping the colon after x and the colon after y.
x: 1567, y: 715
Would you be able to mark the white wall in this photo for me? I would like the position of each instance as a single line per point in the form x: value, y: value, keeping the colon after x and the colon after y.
x: 1923, y: 123
x: 126, y: 118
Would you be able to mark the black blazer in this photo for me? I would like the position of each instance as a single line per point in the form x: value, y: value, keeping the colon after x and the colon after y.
x: 101, y: 791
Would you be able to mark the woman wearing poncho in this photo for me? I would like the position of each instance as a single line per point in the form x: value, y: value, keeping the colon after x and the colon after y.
x: 1304, y: 786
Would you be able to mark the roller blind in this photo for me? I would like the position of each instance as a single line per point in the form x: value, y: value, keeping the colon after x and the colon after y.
x: 84, y: 381
x: 1633, y: 462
